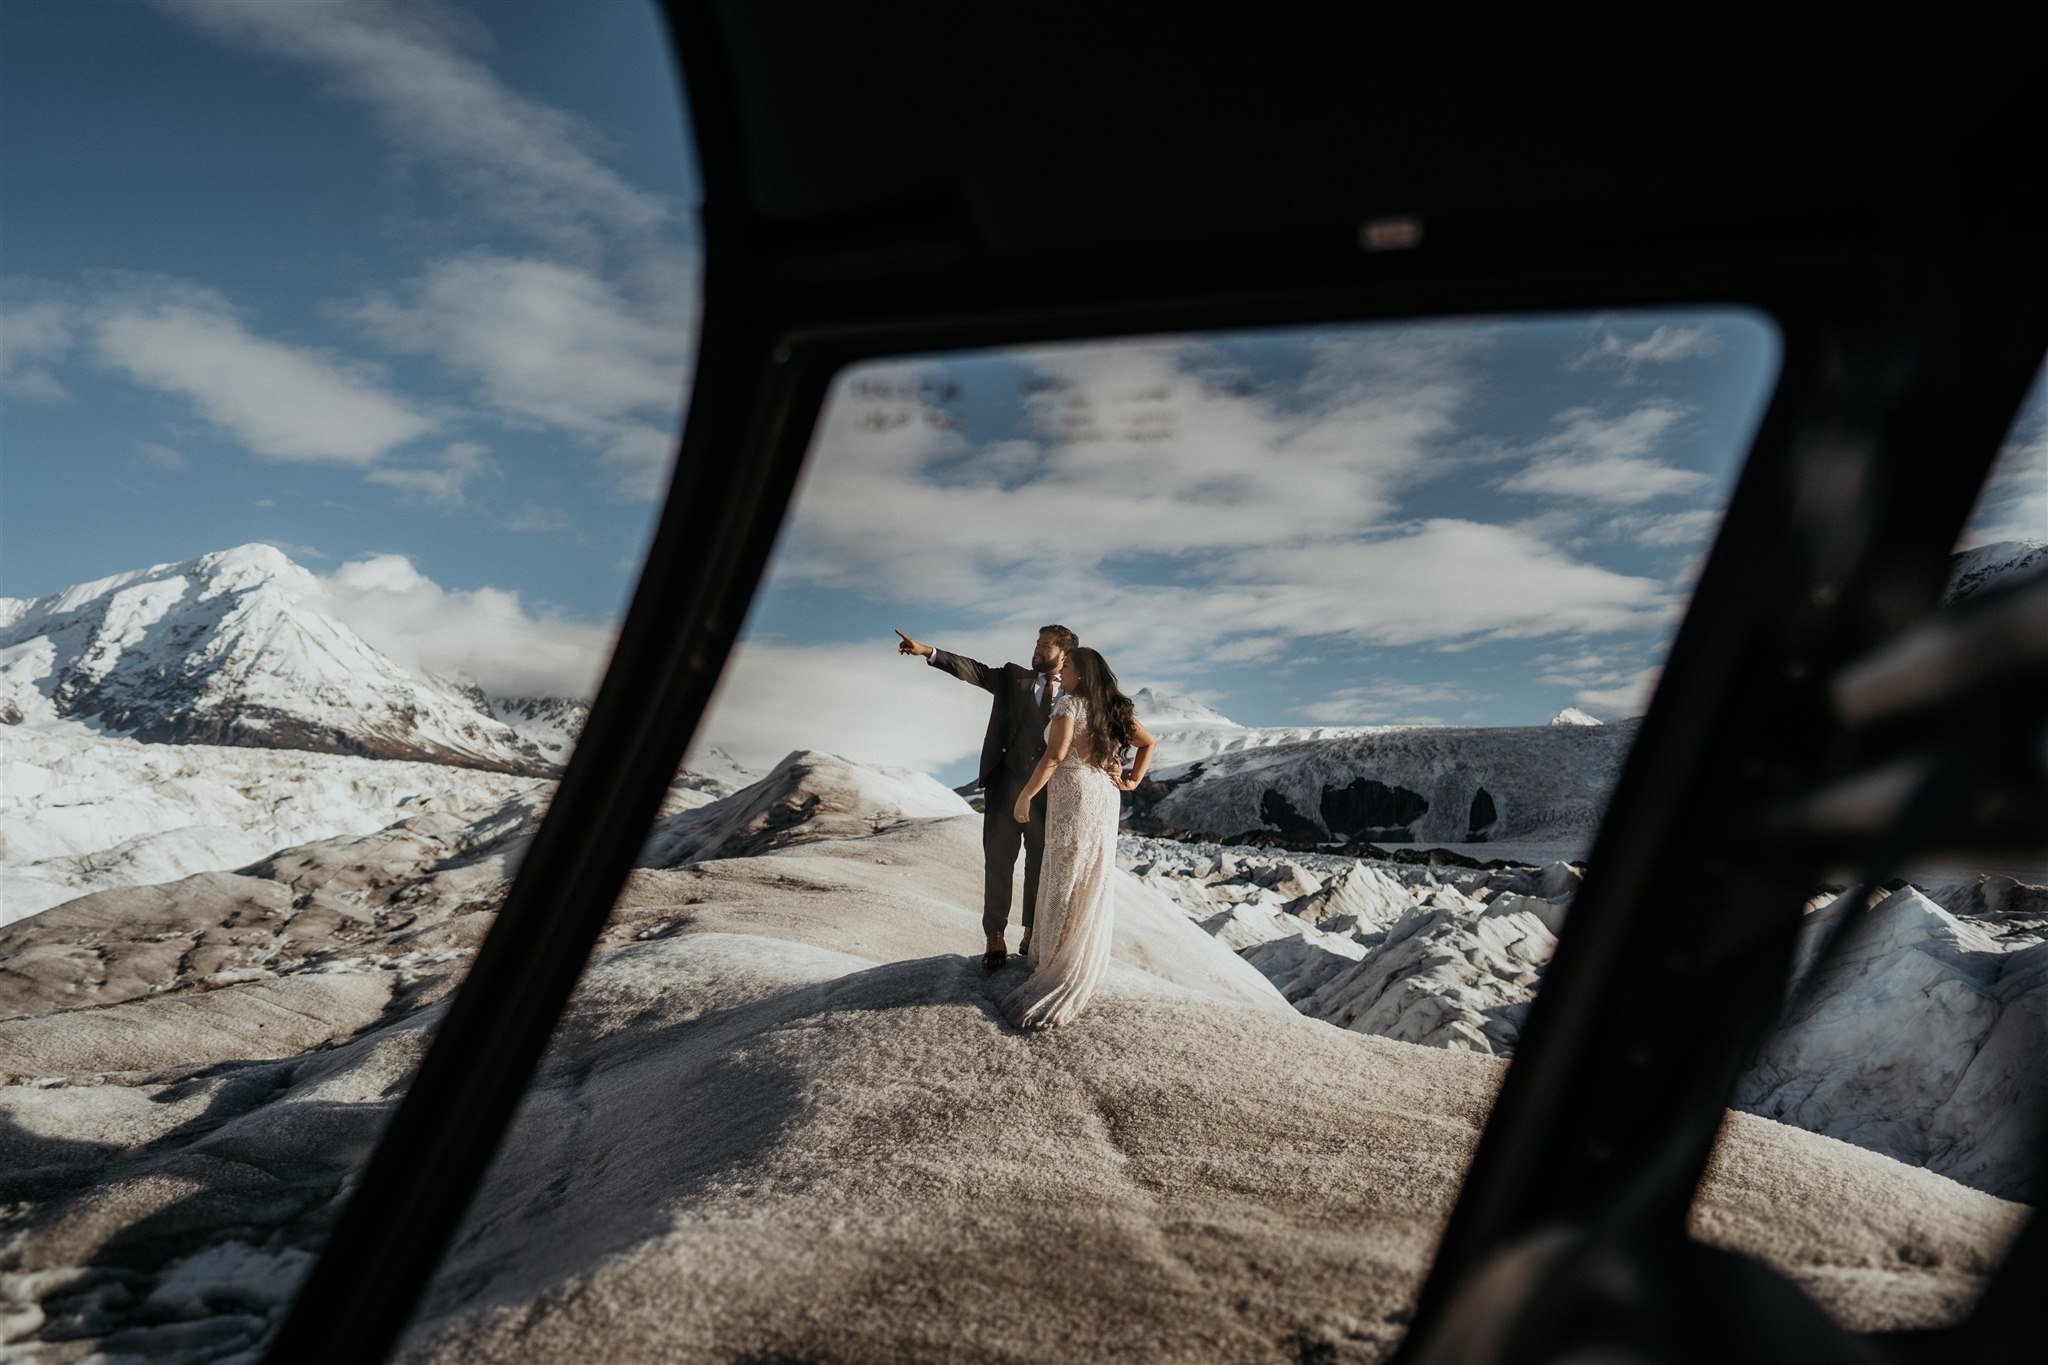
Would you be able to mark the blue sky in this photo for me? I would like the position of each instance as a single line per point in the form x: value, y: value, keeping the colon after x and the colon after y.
x: 355, y: 279
x: 1479, y: 521
x: 409, y: 290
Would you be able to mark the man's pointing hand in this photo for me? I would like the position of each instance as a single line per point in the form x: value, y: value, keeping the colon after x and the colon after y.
x: 907, y: 645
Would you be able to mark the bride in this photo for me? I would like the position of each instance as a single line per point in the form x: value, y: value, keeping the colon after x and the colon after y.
x: 1092, y: 724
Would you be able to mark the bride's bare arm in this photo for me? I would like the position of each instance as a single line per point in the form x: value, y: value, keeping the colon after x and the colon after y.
x: 1145, y: 745
x: 1057, y: 739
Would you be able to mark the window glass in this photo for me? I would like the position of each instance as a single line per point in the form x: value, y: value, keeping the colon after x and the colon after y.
x: 1389, y: 599
x: 343, y: 348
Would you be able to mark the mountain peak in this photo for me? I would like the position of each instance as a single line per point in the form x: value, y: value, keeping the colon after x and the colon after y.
x: 235, y: 647
x: 1167, y: 708
x: 255, y: 554
x: 248, y: 566
x: 1572, y: 715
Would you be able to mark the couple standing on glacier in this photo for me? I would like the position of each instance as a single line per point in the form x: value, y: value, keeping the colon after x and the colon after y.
x: 1053, y: 776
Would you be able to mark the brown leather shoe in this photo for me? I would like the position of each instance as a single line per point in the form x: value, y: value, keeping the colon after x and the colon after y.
x: 993, y: 959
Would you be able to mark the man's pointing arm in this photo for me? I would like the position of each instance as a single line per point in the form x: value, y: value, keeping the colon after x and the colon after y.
x: 959, y: 665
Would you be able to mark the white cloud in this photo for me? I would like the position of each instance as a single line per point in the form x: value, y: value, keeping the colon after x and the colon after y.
x: 1442, y: 580
x: 32, y: 333
x: 1612, y: 684
x: 442, y: 481
x: 535, y: 517
x: 1135, y: 449
x: 641, y: 457
x: 1572, y: 670
x: 1629, y: 696
x: 864, y: 702
x: 162, y: 457
x: 1384, y: 701
x: 1664, y: 344
x: 522, y: 162
x: 287, y: 402
x: 1179, y: 518
x: 1669, y: 530
x: 1606, y: 460
x: 486, y: 634
x: 33, y: 383
x: 549, y: 343
x: 1186, y: 513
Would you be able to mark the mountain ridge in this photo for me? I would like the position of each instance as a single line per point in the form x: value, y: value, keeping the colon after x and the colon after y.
x: 237, y: 648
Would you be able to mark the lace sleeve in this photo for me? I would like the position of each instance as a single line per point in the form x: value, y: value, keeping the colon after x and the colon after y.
x: 1067, y: 704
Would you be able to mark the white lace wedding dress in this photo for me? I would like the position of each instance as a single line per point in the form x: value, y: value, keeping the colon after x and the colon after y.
x: 1070, y: 934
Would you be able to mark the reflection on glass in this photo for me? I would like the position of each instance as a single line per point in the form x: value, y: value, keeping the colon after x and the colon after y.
x: 1915, y: 1026
x: 342, y: 360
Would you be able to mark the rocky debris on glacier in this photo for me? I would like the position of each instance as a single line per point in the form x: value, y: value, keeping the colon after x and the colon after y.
x: 783, y: 1075
x: 1446, y: 957
x: 2001, y: 906
x: 235, y: 648
x: 401, y: 903
x: 1921, y: 1041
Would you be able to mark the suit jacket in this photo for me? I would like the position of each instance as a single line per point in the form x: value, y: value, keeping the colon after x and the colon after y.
x: 1016, y: 723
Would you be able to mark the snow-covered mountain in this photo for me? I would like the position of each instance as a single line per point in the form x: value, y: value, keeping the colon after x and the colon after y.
x: 549, y: 724
x: 1439, y: 784
x: 1188, y: 731
x: 1164, y: 710
x: 193, y: 717
x: 235, y: 648
x: 1993, y: 568
x: 553, y: 725
x: 708, y: 768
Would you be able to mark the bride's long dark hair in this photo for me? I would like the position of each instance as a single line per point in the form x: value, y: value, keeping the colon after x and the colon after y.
x: 1112, y: 718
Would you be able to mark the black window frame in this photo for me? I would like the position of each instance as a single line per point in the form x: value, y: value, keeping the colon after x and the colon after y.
x: 1905, y: 354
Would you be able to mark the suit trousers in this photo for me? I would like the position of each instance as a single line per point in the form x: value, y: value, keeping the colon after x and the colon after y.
x: 1000, y: 837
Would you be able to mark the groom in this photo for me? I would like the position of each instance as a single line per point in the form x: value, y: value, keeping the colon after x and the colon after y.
x: 1011, y: 748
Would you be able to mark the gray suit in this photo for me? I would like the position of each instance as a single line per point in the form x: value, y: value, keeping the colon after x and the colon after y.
x: 1009, y: 751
